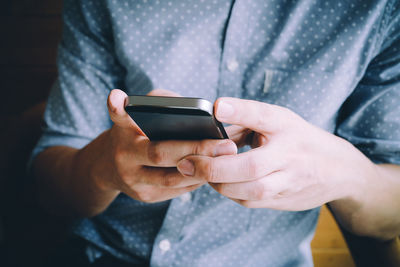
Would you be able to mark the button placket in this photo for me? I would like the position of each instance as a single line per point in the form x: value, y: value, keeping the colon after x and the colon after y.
x: 234, y: 52
x: 232, y: 65
x: 164, y: 245
x: 171, y: 229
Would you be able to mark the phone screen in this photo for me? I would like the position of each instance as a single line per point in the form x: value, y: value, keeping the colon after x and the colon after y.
x: 178, y: 126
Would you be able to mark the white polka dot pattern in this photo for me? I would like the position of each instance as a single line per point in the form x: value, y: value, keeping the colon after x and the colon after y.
x: 336, y: 63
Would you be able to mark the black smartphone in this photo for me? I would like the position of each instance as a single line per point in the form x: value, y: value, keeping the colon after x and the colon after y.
x: 175, y: 118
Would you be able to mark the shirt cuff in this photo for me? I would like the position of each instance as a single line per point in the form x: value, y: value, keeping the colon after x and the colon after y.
x: 50, y: 139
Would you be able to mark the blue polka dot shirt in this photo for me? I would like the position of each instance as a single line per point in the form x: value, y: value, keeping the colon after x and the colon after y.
x: 335, y: 63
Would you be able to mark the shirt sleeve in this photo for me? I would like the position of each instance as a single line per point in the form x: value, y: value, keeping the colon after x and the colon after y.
x: 370, y: 118
x: 88, y: 69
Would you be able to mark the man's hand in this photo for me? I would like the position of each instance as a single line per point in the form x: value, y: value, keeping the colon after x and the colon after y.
x: 83, y: 182
x: 146, y: 170
x: 293, y: 165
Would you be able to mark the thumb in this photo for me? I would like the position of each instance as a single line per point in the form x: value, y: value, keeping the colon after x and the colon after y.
x: 116, y: 108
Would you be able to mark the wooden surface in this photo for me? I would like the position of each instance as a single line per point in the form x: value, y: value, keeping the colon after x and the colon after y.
x: 328, y: 246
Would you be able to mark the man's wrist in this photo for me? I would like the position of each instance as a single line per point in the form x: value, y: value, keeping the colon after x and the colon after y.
x: 92, y: 164
x: 100, y: 169
x: 370, y: 188
x: 355, y: 173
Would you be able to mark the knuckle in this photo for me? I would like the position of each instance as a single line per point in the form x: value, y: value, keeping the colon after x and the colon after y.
x: 201, y: 148
x: 210, y: 171
x: 281, y: 194
x: 258, y: 191
x: 170, y: 181
x: 155, y: 153
x: 255, y: 169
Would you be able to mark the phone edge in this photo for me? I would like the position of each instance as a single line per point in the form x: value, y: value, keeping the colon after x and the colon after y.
x: 171, y: 102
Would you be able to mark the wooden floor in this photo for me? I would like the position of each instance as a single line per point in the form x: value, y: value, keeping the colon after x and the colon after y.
x: 328, y: 246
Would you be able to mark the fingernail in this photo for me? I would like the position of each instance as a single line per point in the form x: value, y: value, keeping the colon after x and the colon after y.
x: 186, y: 167
x: 224, y: 110
x: 225, y: 149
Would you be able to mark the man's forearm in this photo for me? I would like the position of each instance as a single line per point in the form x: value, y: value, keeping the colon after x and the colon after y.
x: 374, y: 209
x: 66, y: 179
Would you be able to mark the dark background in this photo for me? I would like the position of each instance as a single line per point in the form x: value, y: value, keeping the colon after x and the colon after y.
x: 30, y: 31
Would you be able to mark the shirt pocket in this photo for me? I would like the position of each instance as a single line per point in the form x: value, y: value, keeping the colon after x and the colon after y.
x: 264, y: 82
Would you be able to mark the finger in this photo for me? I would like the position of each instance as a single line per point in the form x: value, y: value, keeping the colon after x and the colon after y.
x: 279, y: 191
x: 242, y: 167
x: 163, y: 92
x: 169, y: 153
x: 272, y: 186
x: 239, y: 134
x: 116, y: 103
x: 293, y: 203
x: 258, y: 116
x: 151, y: 194
x: 165, y: 178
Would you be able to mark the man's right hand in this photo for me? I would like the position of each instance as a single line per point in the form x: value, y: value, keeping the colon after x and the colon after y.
x: 144, y: 169
x: 84, y: 182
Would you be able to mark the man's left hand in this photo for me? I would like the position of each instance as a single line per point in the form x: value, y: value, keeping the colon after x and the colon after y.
x: 292, y: 165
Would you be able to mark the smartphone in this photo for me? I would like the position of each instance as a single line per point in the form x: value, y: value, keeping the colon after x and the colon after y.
x: 175, y: 118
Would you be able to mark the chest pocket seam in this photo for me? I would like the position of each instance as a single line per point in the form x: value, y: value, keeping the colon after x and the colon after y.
x: 273, y: 78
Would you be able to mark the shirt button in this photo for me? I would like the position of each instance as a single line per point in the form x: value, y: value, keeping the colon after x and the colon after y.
x: 232, y: 65
x: 186, y: 197
x: 164, y: 245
